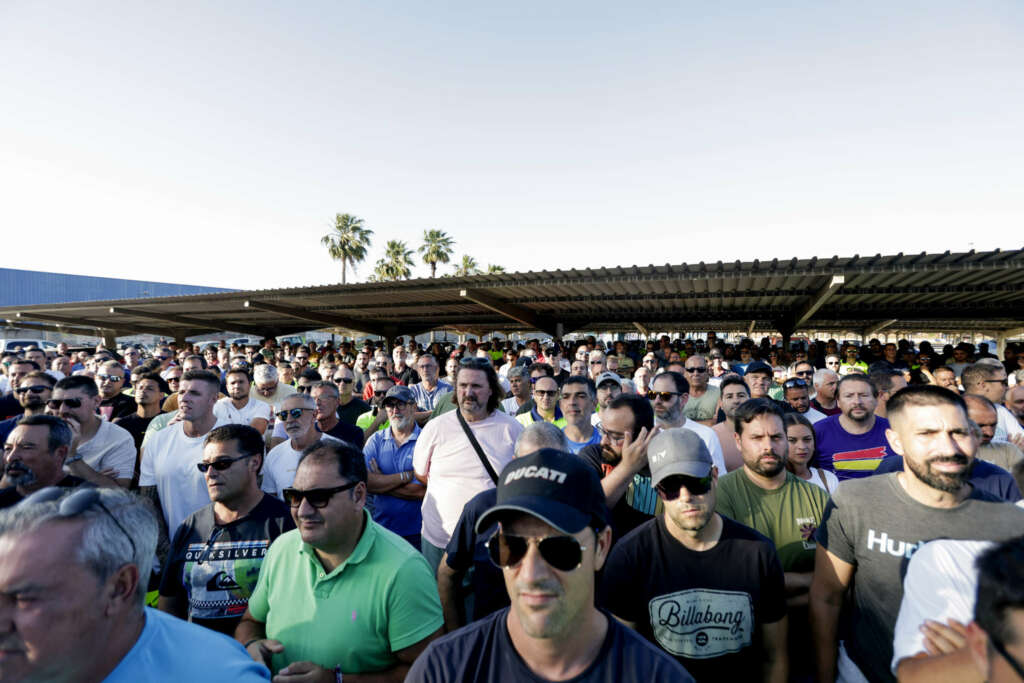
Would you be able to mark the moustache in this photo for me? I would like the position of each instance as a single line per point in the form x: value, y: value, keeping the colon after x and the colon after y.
x: 957, y: 459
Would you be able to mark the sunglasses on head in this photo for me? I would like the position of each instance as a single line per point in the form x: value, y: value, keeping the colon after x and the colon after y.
x: 794, y: 383
x: 221, y: 464
x: 55, y: 403
x: 670, y: 487
x: 563, y: 553
x: 294, y: 413
x: 75, y: 504
x: 35, y: 389
x: 318, y: 498
x: 663, y: 395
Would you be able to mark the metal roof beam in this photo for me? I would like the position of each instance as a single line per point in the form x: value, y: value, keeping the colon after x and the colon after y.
x: 640, y: 328
x: 98, y: 324
x: 875, y: 328
x: 212, y: 325
x: 329, y: 319
x: 56, y: 327
x: 819, y: 299
x: 515, y: 312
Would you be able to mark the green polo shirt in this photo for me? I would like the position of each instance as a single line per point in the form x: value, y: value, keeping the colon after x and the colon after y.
x: 382, y: 599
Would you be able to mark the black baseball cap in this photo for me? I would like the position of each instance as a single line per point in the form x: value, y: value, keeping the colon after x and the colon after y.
x: 556, y: 487
x: 759, y: 366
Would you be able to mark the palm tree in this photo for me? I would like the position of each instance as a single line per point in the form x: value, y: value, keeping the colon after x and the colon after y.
x: 348, y: 241
x: 436, y: 248
x: 396, y: 262
x: 492, y: 269
x: 467, y: 267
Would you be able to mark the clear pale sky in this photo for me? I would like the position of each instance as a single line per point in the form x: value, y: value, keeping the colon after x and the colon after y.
x: 212, y: 143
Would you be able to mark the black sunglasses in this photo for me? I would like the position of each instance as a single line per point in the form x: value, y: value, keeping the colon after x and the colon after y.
x: 304, y: 389
x: 75, y: 504
x: 221, y: 464
x: 343, y: 380
x: 670, y: 487
x: 563, y: 553
x: 696, y: 371
x: 110, y: 378
x: 294, y: 413
x: 794, y: 383
x: 318, y: 498
x: 55, y: 403
x: 35, y: 389
x: 663, y: 395
x: 543, y: 393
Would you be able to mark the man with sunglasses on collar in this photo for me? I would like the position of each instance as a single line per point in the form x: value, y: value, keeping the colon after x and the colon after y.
x: 706, y: 589
x: 552, y: 536
x: 217, y: 551
x: 341, y: 595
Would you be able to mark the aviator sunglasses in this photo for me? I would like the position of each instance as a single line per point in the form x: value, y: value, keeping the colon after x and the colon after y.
x: 563, y: 553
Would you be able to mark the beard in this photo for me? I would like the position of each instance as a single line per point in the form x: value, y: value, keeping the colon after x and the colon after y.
x: 767, y: 470
x: 19, y: 474
x: 941, y: 481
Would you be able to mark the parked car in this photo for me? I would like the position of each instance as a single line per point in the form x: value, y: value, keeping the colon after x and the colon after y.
x: 25, y: 342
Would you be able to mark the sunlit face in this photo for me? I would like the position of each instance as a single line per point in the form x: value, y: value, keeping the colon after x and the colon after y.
x: 801, y: 444
x: 297, y: 427
x: 798, y: 399
x: 28, y: 459
x: 732, y: 397
x: 606, y: 392
x: 616, y: 424
x: 689, y: 512
x: 667, y: 408
x: 331, y: 527
x: 472, y: 391
x: 196, y: 399
x: 936, y: 444
x: 326, y: 403
x: 545, y: 394
x: 428, y: 369
x: 238, y: 385
x: 759, y: 383
x: 763, y: 445
x: 946, y: 378
x: 856, y: 400
x: 576, y: 402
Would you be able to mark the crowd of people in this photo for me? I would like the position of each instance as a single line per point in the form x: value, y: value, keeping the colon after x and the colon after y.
x: 668, y: 510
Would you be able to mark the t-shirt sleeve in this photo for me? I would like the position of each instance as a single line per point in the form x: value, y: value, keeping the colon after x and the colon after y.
x: 430, y: 667
x: 921, y: 601
x: 592, y: 456
x: 424, y: 447
x: 371, y: 448
x: 268, y: 485
x: 262, y: 411
x: 147, y: 472
x: 414, y: 607
x: 725, y: 501
x: 171, y: 578
x: 259, y: 601
x: 122, y: 457
x: 833, y: 534
x: 279, y: 432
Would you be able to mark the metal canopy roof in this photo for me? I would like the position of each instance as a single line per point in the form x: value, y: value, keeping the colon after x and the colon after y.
x: 970, y: 291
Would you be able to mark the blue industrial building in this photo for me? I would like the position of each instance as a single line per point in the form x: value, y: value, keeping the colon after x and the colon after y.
x: 27, y: 287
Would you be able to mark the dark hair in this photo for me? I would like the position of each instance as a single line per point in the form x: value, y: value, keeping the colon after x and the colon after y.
x: 977, y: 373
x: 643, y: 413
x: 882, y: 378
x: 791, y: 419
x: 23, y: 361
x: 922, y: 395
x: 202, y: 376
x: 84, y: 383
x: 497, y: 393
x: 682, y: 386
x: 350, y: 461
x: 250, y: 441
x: 540, y: 367
x: 60, y: 432
x: 238, y: 371
x: 44, y: 377
x: 193, y: 357
x: 330, y: 386
x: 582, y: 379
x: 1000, y: 589
x: 857, y: 377
x: 733, y: 378
x: 309, y: 373
x: 755, y: 407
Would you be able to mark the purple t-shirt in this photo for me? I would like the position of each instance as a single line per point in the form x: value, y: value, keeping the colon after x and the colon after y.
x: 850, y: 456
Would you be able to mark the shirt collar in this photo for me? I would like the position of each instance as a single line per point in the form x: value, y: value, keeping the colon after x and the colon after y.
x: 389, y: 435
x: 359, y: 553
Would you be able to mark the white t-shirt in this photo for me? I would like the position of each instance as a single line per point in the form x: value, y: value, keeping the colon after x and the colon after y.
x: 110, y: 448
x: 280, y: 465
x: 941, y: 583
x: 455, y: 474
x: 510, y: 405
x: 813, y: 415
x: 1007, y: 425
x: 169, y: 463
x: 710, y: 439
x: 830, y: 483
x: 225, y: 410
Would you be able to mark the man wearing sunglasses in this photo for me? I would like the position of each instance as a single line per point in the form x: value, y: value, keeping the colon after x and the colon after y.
x: 668, y: 395
x: 268, y: 387
x: 9, y: 404
x: 104, y: 447
x: 32, y: 391
x: 552, y: 536
x: 702, y: 400
x: 397, y: 494
x: 706, y: 589
x: 297, y: 417
x: 341, y: 595
x: 325, y: 396
x: 376, y: 418
x: 608, y: 385
x: 110, y: 380
x: 216, y: 553
x: 545, y: 404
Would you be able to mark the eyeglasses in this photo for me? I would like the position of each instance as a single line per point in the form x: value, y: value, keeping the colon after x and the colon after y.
x: 75, y: 504
x: 221, y: 464
x: 612, y: 436
x: 696, y: 371
x: 670, y: 487
x: 343, y: 380
x: 563, y: 553
x: 162, y: 358
x: 796, y: 382
x: 294, y: 413
x: 475, y: 363
x: 55, y: 403
x: 394, y: 404
x: 999, y: 647
x: 304, y: 388
x: 1001, y: 382
x: 318, y: 498
x: 110, y: 378
x: 663, y: 395
x: 35, y: 389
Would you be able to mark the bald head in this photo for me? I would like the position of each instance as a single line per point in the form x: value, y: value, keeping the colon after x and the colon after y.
x: 982, y: 412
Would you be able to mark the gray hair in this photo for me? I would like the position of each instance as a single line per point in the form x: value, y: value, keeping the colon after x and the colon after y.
x: 538, y: 435
x: 821, y: 375
x: 305, y: 399
x: 264, y: 372
x: 60, y: 432
x: 104, y: 546
x: 331, y: 387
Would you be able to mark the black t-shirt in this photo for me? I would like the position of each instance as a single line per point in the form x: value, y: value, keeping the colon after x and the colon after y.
x: 706, y: 607
x: 10, y: 496
x: 136, y: 426
x: 347, y: 432
x: 468, y: 549
x: 827, y: 411
x: 120, y: 405
x: 483, y: 651
x: 215, y: 568
x: 9, y: 406
x: 409, y: 376
x: 638, y: 504
x: 351, y: 411
x: 7, y: 426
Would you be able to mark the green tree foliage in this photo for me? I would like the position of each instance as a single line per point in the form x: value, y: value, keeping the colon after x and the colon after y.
x: 436, y: 248
x: 492, y: 269
x: 467, y: 267
x: 396, y: 264
x: 347, y: 242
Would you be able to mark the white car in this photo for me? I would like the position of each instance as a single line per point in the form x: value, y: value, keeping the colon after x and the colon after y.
x: 24, y: 343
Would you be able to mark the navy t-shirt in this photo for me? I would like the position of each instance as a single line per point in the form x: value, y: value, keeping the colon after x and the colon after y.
x: 984, y: 476
x: 850, y: 456
x: 468, y: 549
x: 483, y: 651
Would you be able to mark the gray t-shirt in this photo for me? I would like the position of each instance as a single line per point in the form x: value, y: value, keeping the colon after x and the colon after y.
x: 703, y: 408
x: 874, y: 525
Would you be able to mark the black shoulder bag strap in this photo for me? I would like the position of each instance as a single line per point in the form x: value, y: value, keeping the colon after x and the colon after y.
x: 476, y: 447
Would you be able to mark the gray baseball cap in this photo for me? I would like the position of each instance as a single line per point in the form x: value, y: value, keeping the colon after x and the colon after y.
x: 608, y: 377
x: 400, y: 393
x: 678, y: 451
